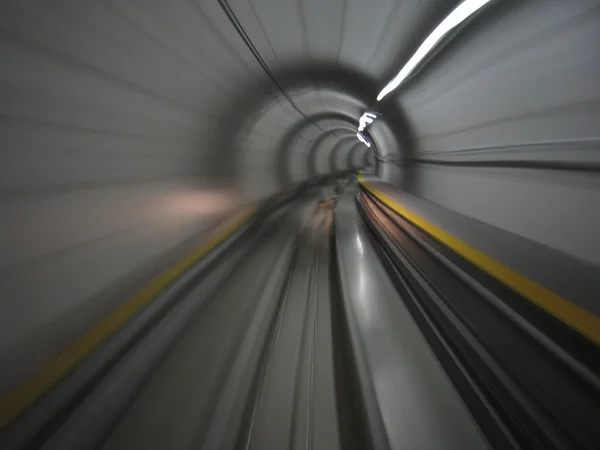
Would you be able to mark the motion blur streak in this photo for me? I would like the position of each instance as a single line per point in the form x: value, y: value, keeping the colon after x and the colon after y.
x: 455, y: 18
x: 362, y: 139
x: 132, y: 133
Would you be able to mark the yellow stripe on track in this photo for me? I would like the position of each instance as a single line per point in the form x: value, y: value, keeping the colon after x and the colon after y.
x: 22, y: 396
x: 578, y: 318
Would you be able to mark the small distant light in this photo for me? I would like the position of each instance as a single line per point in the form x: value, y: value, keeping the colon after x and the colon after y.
x: 460, y: 13
x: 366, y: 119
x: 362, y: 139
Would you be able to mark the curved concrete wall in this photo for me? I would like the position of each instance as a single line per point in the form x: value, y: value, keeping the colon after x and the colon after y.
x: 515, y: 94
x: 129, y: 126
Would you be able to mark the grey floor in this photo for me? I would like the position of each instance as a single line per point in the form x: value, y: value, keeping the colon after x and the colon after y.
x: 255, y: 365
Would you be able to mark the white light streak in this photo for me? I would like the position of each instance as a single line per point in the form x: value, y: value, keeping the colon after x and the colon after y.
x: 460, y: 13
x: 366, y: 119
x: 362, y: 139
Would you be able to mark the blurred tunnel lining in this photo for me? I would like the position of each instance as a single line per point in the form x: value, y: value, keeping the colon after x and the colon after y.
x: 129, y: 127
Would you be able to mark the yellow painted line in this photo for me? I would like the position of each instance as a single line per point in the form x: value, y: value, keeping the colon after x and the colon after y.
x: 578, y: 318
x: 38, y: 383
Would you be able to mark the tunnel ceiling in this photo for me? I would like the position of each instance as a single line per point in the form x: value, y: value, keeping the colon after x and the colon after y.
x: 321, y: 60
x: 205, y: 86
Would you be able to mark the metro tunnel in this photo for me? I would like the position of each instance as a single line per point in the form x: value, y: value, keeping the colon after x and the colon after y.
x: 299, y: 224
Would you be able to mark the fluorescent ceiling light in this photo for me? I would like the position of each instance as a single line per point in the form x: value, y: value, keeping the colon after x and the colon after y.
x: 460, y: 13
x: 362, y: 139
x: 366, y: 119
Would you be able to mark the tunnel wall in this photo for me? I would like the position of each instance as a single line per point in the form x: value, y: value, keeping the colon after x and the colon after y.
x: 106, y: 162
x: 506, y: 124
x: 289, y: 142
x: 126, y: 128
x: 388, y: 133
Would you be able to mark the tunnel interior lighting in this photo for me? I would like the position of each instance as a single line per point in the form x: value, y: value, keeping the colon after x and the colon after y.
x: 366, y: 119
x: 362, y: 139
x: 458, y: 15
